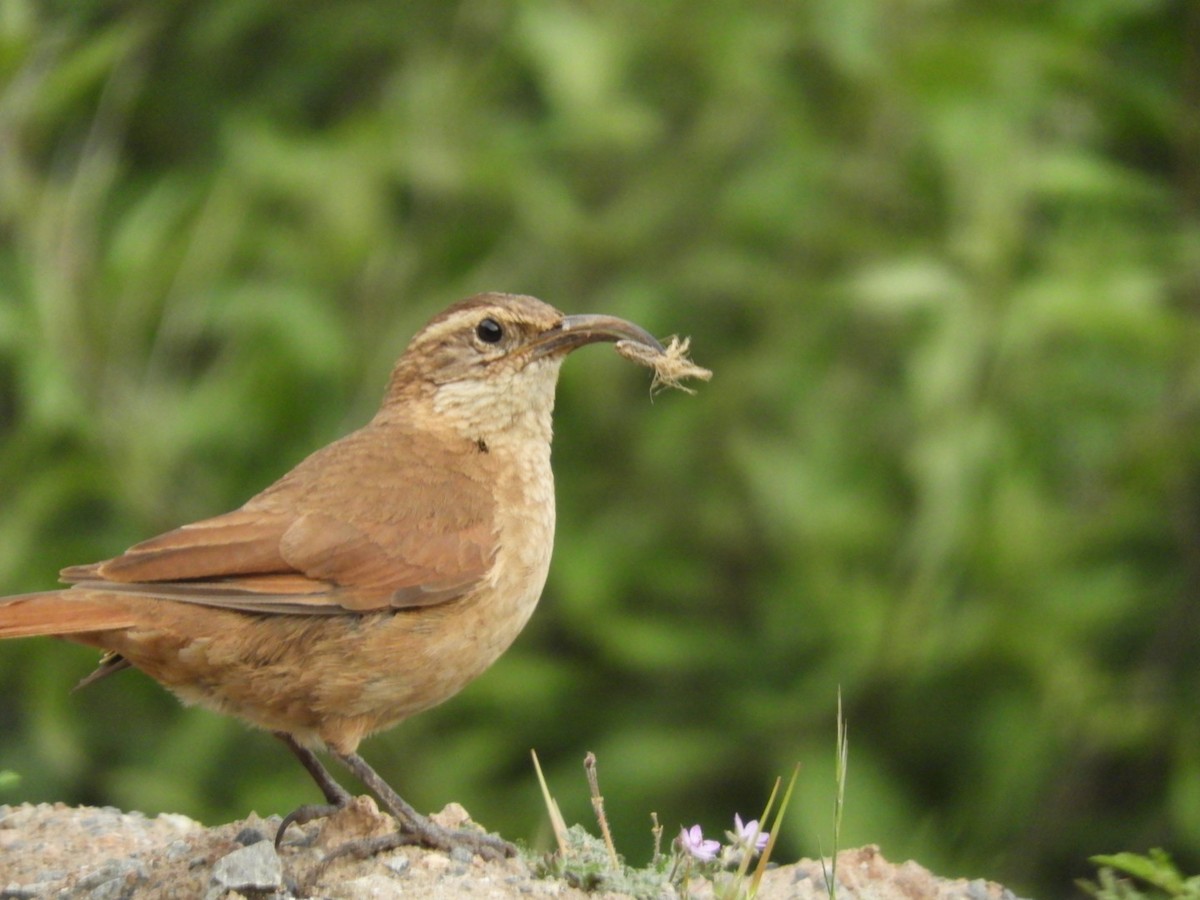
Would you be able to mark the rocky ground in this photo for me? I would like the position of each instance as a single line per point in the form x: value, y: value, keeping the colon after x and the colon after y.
x: 105, y: 854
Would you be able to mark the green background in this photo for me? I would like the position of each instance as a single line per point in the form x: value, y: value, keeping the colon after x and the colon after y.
x: 944, y: 258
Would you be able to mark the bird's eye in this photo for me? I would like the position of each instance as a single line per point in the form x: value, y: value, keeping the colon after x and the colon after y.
x: 489, y: 331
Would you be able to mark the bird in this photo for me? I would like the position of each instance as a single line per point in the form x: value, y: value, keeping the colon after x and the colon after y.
x: 375, y: 579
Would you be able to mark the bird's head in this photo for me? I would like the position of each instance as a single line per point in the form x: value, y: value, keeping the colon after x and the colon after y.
x: 490, y: 363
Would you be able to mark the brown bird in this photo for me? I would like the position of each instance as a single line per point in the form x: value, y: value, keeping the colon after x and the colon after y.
x: 375, y: 579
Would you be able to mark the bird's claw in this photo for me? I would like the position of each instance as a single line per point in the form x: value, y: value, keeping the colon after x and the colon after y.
x: 486, y: 846
x: 303, y: 815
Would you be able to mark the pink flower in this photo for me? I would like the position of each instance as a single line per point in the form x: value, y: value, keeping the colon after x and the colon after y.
x: 749, y: 836
x: 692, y: 841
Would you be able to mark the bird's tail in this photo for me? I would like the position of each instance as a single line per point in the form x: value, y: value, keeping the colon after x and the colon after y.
x: 63, y: 613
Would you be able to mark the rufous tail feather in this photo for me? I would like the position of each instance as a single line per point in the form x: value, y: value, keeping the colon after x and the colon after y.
x: 57, y: 613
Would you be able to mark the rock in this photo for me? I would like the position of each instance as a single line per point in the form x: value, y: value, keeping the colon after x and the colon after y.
x: 89, y: 854
x: 253, y: 868
x: 112, y: 880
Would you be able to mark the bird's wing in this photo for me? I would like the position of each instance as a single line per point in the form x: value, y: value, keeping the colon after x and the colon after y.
x: 316, y: 543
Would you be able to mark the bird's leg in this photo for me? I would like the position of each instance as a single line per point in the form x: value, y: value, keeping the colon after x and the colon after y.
x: 414, y: 827
x: 334, y: 792
x: 337, y: 795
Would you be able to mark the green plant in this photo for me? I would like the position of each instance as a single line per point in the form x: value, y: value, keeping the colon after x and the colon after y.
x: 1132, y: 876
x: 593, y: 863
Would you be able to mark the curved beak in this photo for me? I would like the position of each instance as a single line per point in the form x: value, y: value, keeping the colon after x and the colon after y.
x: 572, y: 332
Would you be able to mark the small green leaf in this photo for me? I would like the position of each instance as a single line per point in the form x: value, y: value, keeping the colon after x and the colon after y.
x: 1156, y: 869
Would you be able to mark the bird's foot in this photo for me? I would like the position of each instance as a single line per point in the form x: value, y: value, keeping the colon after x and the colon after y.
x: 407, y: 830
x: 416, y: 828
x: 424, y: 832
x: 410, y: 832
x: 468, y: 837
x: 304, y: 815
x: 337, y: 796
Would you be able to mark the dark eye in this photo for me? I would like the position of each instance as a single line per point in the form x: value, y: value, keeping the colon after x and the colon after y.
x: 489, y: 331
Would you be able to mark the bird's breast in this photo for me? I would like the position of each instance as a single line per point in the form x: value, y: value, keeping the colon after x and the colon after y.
x: 525, y: 532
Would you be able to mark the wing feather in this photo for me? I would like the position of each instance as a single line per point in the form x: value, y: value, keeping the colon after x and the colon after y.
x: 356, y: 527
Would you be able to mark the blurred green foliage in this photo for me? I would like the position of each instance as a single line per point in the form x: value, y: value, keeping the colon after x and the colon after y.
x: 944, y: 258
x: 1134, y: 876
